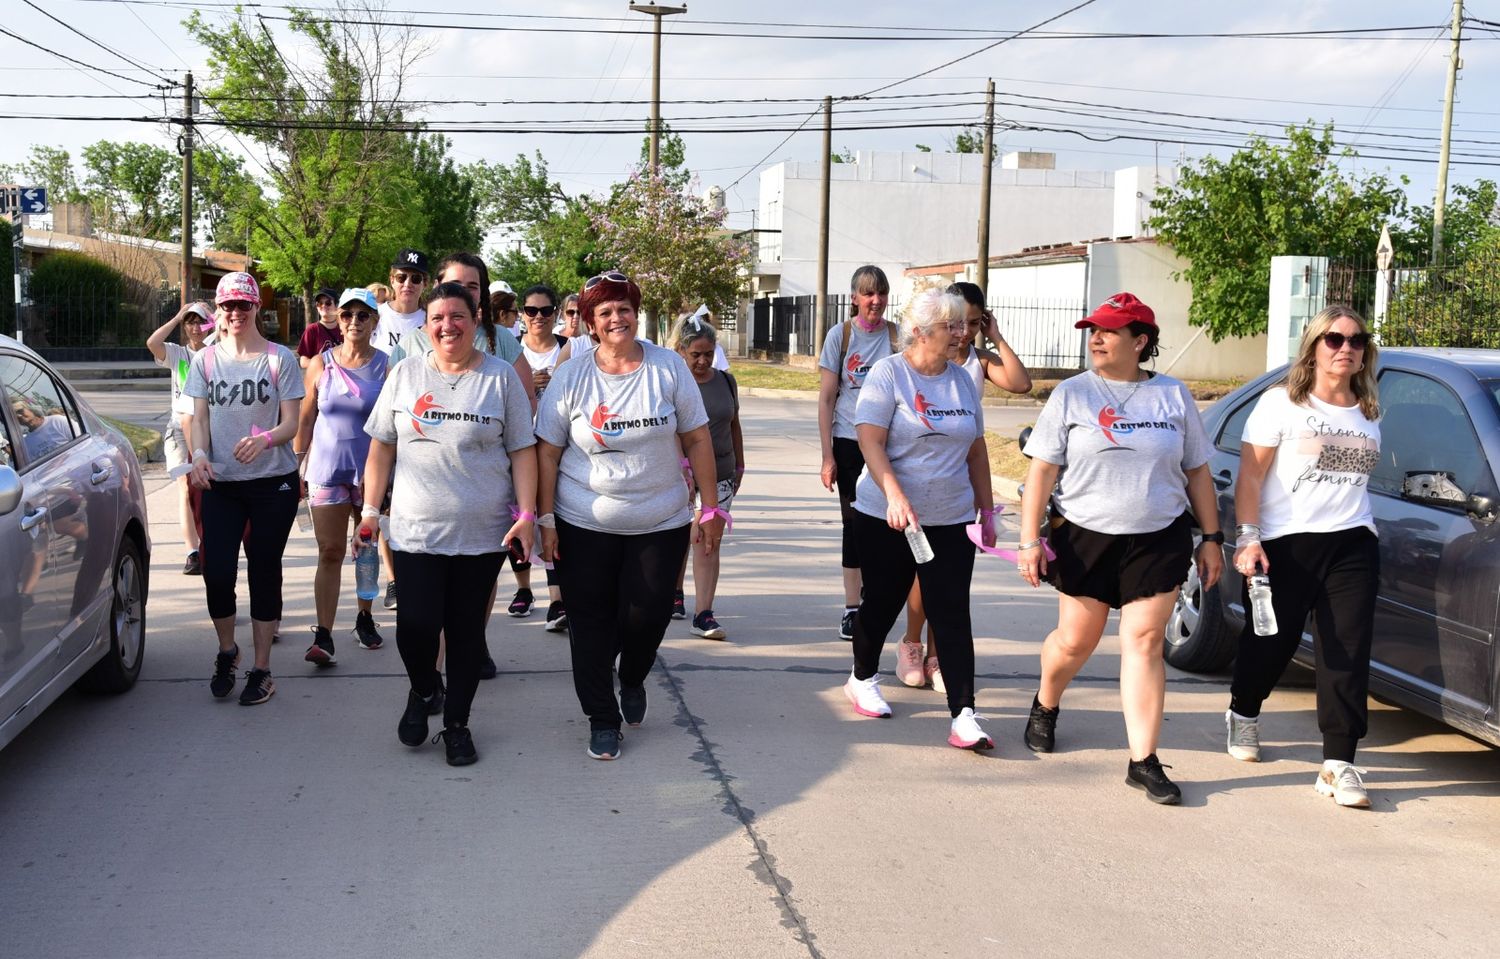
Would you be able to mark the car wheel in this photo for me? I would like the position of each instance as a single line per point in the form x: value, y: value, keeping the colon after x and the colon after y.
x: 1198, y: 639
x: 121, y: 665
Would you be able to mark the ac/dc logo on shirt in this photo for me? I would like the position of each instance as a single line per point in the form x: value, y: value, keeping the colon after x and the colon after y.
x: 426, y: 413
x: 927, y: 413
x: 1114, y: 425
x: 245, y: 392
x: 605, y: 423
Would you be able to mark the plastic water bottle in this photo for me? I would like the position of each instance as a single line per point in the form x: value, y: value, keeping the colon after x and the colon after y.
x: 921, y: 550
x: 305, y: 517
x: 1261, y: 612
x: 366, y: 568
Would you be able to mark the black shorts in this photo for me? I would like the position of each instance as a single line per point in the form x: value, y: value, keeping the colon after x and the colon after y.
x: 848, y: 463
x: 1118, y: 569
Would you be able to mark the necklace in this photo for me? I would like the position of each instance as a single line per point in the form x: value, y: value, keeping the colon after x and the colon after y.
x: 453, y: 383
x: 1119, y: 403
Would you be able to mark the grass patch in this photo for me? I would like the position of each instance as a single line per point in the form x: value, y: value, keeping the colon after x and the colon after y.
x: 1205, y: 390
x: 775, y: 376
x: 1005, y: 456
x: 139, y: 437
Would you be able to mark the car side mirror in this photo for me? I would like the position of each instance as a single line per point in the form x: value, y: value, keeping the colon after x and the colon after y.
x: 1025, y: 435
x: 1434, y: 489
x: 1482, y: 508
x: 10, y: 490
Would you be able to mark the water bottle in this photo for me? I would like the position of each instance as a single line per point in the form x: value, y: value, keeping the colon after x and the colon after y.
x: 1261, y: 612
x: 305, y: 517
x: 921, y: 550
x: 366, y: 568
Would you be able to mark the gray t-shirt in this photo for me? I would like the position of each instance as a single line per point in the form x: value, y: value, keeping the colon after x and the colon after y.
x: 864, y: 349
x: 245, y: 395
x: 621, y: 463
x: 1124, y: 448
x: 721, y: 400
x: 453, y: 439
x: 931, y: 423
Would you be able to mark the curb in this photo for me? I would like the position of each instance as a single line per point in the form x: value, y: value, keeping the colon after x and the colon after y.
x: 989, y: 401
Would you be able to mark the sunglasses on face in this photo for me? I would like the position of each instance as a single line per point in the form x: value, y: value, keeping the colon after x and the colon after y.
x: 613, y: 276
x: 1335, y: 340
x: 351, y: 316
x: 570, y: 313
x: 237, y: 306
x: 417, y: 279
x: 543, y: 311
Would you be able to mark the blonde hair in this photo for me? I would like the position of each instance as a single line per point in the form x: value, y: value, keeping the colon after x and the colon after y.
x: 1303, y: 373
x: 381, y: 291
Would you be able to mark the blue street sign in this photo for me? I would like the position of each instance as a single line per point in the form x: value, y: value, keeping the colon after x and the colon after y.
x: 33, y: 200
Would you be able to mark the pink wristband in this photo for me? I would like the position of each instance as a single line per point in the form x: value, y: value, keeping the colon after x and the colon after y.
x: 713, y: 511
x: 520, y: 514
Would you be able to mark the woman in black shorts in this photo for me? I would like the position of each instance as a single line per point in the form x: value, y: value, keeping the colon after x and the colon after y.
x: 1132, y: 455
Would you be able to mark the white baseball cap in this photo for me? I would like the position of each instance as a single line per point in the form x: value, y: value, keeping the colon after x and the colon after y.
x: 500, y: 286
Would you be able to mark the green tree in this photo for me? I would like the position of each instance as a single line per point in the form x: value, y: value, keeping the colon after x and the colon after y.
x: 226, y: 198
x: 671, y: 157
x: 448, y: 195
x: 1457, y: 306
x: 1229, y: 217
x: 553, y: 236
x: 846, y: 155
x: 1469, y: 220
x: 521, y: 192
x: 134, y: 188
x: 48, y: 167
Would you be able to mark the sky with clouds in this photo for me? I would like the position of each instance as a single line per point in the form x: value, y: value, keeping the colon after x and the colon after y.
x: 1384, y: 94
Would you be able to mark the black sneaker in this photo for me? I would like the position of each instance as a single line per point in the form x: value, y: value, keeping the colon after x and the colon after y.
x: 679, y: 605
x: 460, y: 744
x: 846, y: 625
x: 1149, y: 774
x: 633, y: 704
x: 557, y: 617
x: 390, y: 595
x: 259, y: 687
x: 193, y: 566
x: 521, y: 604
x: 487, y: 668
x: 412, y: 730
x: 605, y: 743
x: 1041, y: 727
x: 222, y: 683
x: 320, y: 653
x: 364, y: 631
x: 706, y: 626
x: 439, y: 698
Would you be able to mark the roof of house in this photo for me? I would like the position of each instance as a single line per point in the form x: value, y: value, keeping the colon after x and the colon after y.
x: 1031, y: 255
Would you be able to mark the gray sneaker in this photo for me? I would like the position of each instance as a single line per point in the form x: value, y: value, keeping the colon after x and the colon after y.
x: 1244, y: 737
x: 1344, y: 782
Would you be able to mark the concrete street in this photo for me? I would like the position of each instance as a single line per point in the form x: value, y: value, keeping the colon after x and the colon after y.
x: 754, y: 815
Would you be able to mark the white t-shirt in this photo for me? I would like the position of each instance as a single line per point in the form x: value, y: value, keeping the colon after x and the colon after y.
x: 177, y: 360
x: 1319, y: 481
x: 864, y: 349
x: 392, y: 326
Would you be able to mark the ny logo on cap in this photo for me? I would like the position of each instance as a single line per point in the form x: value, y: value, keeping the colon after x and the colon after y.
x: 411, y: 257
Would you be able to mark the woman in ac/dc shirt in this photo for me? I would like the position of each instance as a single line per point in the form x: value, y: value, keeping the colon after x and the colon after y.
x: 1132, y: 454
x: 612, y: 428
x: 849, y: 350
x: 921, y: 430
x: 245, y: 411
x: 1303, y: 508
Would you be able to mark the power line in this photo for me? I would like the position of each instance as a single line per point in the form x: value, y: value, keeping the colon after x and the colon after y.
x: 106, y: 48
x: 86, y: 66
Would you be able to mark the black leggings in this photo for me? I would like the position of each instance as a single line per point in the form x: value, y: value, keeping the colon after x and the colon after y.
x: 848, y: 463
x: 444, y: 596
x: 619, y: 589
x: 1333, y: 576
x: 268, y: 505
x: 888, y: 571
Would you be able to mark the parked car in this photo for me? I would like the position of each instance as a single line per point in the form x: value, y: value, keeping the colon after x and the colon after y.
x: 74, y: 546
x: 1434, y: 497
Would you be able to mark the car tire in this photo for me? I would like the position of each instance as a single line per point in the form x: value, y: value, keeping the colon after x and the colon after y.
x: 1198, y: 639
x: 121, y: 664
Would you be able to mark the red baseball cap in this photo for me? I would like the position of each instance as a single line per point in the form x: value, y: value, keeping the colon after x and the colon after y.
x: 1117, y: 312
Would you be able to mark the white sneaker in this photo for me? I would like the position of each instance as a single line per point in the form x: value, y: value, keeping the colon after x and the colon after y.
x: 1244, y: 736
x: 865, y: 695
x: 909, y: 664
x: 1343, y: 781
x: 966, y: 733
x: 935, y: 676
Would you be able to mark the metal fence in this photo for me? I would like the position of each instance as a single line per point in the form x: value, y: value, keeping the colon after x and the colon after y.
x: 1455, y: 303
x: 1039, y: 330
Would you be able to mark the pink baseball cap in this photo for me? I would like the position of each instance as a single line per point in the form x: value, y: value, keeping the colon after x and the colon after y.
x: 1117, y: 312
x: 237, y: 286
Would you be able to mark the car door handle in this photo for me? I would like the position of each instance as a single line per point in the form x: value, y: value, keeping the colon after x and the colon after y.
x: 34, y: 517
x: 100, y: 474
x: 1223, y: 479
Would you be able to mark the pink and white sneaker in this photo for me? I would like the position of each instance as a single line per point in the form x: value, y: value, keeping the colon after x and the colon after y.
x: 909, y: 664
x: 934, y: 675
x: 965, y: 732
x: 865, y: 695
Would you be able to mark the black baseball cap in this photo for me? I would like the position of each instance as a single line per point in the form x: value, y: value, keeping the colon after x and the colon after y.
x: 409, y: 259
x: 328, y: 292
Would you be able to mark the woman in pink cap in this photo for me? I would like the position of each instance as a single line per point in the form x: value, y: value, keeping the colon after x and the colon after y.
x: 1132, y: 455
x: 246, y: 395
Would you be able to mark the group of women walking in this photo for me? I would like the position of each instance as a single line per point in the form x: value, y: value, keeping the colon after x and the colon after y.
x: 1117, y: 485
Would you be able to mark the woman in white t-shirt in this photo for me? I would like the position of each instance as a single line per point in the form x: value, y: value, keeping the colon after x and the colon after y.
x: 1303, y: 508
x: 197, y: 321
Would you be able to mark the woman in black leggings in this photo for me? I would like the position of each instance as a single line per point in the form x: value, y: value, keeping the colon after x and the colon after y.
x: 246, y: 395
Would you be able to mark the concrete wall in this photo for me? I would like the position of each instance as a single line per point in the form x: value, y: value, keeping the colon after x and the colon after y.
x: 1059, y: 281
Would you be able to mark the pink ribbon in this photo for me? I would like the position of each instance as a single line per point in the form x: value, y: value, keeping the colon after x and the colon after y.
x: 976, y: 536
x: 713, y: 511
x: 350, y: 387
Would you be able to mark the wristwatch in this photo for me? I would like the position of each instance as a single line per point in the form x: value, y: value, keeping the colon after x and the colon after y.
x: 1214, y: 537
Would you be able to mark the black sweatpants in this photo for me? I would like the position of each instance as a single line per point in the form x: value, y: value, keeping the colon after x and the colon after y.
x: 848, y: 463
x: 1333, y: 576
x: 888, y: 570
x: 269, y: 505
x: 444, y: 596
x: 619, y: 589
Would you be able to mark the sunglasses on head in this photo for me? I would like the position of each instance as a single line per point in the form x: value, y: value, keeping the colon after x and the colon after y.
x: 364, y: 316
x: 543, y: 311
x: 1335, y: 340
x: 613, y: 276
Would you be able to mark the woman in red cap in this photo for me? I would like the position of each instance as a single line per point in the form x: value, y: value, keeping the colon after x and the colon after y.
x: 1132, y: 455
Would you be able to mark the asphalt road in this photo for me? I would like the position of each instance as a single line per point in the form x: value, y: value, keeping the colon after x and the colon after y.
x: 754, y: 815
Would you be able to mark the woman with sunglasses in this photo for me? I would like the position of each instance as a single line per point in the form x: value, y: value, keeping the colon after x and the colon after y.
x: 612, y: 431
x: 246, y: 394
x: 1302, y: 504
x: 567, y: 324
x: 342, y: 385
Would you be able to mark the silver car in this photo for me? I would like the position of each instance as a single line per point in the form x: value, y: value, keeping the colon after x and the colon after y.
x: 74, y: 546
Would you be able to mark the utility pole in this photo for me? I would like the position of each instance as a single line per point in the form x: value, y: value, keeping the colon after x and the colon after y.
x: 820, y: 320
x: 186, y: 147
x: 982, y: 258
x: 658, y: 11
x: 1441, y: 197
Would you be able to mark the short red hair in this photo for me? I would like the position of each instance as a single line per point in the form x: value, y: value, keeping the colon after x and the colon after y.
x: 607, y: 291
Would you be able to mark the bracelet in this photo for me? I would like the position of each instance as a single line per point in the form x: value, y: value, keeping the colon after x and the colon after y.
x: 199, y: 454
x: 525, y: 515
x: 1247, y: 529
x: 988, y: 513
x: 1031, y: 545
x: 369, y: 511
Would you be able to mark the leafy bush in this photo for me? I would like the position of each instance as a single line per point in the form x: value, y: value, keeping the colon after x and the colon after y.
x: 71, y: 291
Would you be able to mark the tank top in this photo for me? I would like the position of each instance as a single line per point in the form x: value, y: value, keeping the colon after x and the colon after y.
x: 345, y: 399
x: 975, y: 369
x: 541, y: 361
